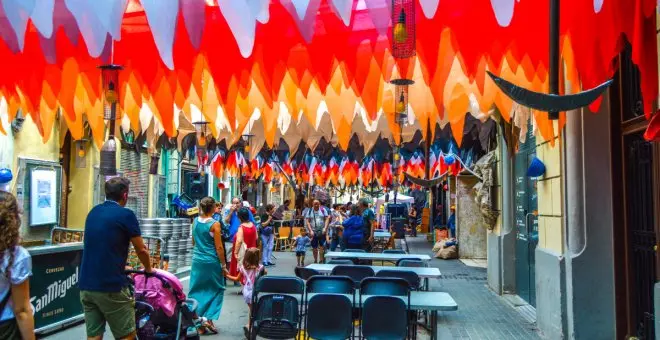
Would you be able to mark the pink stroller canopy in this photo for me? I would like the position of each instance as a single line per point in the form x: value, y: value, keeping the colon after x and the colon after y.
x: 154, y: 290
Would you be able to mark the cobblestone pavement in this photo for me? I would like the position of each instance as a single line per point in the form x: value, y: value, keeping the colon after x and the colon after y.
x: 481, y: 313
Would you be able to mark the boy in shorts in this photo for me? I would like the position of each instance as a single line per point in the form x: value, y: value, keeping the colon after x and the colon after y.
x: 301, y: 243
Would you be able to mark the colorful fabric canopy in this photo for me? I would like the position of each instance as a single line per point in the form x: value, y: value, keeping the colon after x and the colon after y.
x: 326, y: 63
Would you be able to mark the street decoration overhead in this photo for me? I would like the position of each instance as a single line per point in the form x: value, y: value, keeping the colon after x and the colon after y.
x: 303, y: 70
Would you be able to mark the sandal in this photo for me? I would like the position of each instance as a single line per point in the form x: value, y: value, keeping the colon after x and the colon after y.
x: 246, y: 332
x: 210, y: 327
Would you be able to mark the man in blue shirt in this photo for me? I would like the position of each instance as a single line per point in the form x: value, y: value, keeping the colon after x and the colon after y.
x: 104, y: 294
x: 231, y: 217
x: 370, y: 222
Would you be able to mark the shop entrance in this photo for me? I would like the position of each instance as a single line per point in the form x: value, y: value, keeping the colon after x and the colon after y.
x: 526, y: 222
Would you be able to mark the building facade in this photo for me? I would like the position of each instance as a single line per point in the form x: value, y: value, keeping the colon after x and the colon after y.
x: 578, y: 244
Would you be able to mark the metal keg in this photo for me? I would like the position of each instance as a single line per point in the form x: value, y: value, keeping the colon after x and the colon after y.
x: 173, y: 252
x: 165, y: 230
x: 183, y: 249
x: 150, y: 227
x: 185, y: 227
x: 176, y: 227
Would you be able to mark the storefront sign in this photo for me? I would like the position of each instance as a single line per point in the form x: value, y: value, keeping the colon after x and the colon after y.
x: 54, y: 292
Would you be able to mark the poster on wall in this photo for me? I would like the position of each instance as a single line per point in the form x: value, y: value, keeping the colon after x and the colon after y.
x: 43, y: 198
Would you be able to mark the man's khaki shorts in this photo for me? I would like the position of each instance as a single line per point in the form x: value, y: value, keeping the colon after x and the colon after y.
x: 115, y: 308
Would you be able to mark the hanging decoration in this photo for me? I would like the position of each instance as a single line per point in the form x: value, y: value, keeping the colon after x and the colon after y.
x: 81, y: 153
x: 403, y: 32
x: 333, y: 60
x: 110, y: 85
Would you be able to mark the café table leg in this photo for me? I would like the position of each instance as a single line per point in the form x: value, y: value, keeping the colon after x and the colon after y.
x: 434, y: 325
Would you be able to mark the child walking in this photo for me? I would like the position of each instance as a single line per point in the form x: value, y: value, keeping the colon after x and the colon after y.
x: 248, y: 272
x: 301, y: 243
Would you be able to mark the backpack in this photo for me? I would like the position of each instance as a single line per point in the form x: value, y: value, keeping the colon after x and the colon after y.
x: 353, y: 230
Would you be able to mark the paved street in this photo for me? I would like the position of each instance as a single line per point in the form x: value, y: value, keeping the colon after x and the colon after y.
x: 481, y: 314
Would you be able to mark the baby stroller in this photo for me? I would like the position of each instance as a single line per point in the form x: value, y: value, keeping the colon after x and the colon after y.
x: 161, y: 308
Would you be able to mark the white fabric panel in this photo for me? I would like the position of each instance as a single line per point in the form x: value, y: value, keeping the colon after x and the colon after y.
x: 161, y: 16
x: 194, y: 18
x: 241, y: 22
x: 343, y: 9
x: 503, y: 11
x: 91, y: 27
x: 42, y: 17
x: 429, y: 7
x: 17, y: 13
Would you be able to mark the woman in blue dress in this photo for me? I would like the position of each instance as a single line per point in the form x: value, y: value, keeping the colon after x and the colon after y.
x: 207, y: 283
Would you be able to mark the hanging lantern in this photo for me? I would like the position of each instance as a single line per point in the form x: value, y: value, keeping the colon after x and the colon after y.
x: 110, y: 79
x: 200, y: 133
x: 247, y: 139
x: 110, y: 83
x: 153, y: 163
x: 401, y: 96
x: 81, y: 153
x: 403, y: 32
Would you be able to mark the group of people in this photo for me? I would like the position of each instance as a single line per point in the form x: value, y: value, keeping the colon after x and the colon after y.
x: 110, y: 229
x: 349, y: 226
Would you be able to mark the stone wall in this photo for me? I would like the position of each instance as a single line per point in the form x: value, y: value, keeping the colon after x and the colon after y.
x: 470, y: 227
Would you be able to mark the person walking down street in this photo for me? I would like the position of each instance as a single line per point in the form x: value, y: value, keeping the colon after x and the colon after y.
x: 231, y: 217
x: 16, y: 318
x: 267, y: 235
x: 207, y: 284
x: 353, y: 237
x: 412, y: 220
x: 336, y: 220
x: 104, y: 293
x: 451, y: 222
x: 317, y: 220
x: 301, y: 243
x: 246, y: 238
x: 248, y: 272
x: 369, y: 223
x: 217, y: 214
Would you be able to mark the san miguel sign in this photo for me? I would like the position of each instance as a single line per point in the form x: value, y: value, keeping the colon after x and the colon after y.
x: 54, y: 291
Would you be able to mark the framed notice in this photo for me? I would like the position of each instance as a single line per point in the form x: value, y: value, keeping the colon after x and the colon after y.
x: 43, y: 197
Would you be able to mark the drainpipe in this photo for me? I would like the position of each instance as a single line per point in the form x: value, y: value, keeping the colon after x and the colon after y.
x: 506, y: 261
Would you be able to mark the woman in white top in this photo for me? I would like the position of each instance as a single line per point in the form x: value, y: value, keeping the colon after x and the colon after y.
x: 16, y: 319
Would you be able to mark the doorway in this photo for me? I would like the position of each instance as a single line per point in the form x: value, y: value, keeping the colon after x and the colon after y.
x: 526, y: 222
x: 636, y: 202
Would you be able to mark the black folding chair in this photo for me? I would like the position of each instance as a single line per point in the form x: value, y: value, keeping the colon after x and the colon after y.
x: 275, y: 314
x: 329, y: 317
x: 356, y: 260
x: 356, y: 273
x: 386, y: 287
x: 412, y: 263
x: 408, y: 259
x: 414, y: 282
x: 305, y: 273
x: 329, y: 285
x: 394, y: 251
x: 384, y: 317
x: 341, y: 261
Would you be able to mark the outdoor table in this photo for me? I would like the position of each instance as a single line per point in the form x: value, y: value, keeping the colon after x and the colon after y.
x: 382, y: 234
x: 424, y: 273
x: 420, y: 301
x: 375, y: 256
